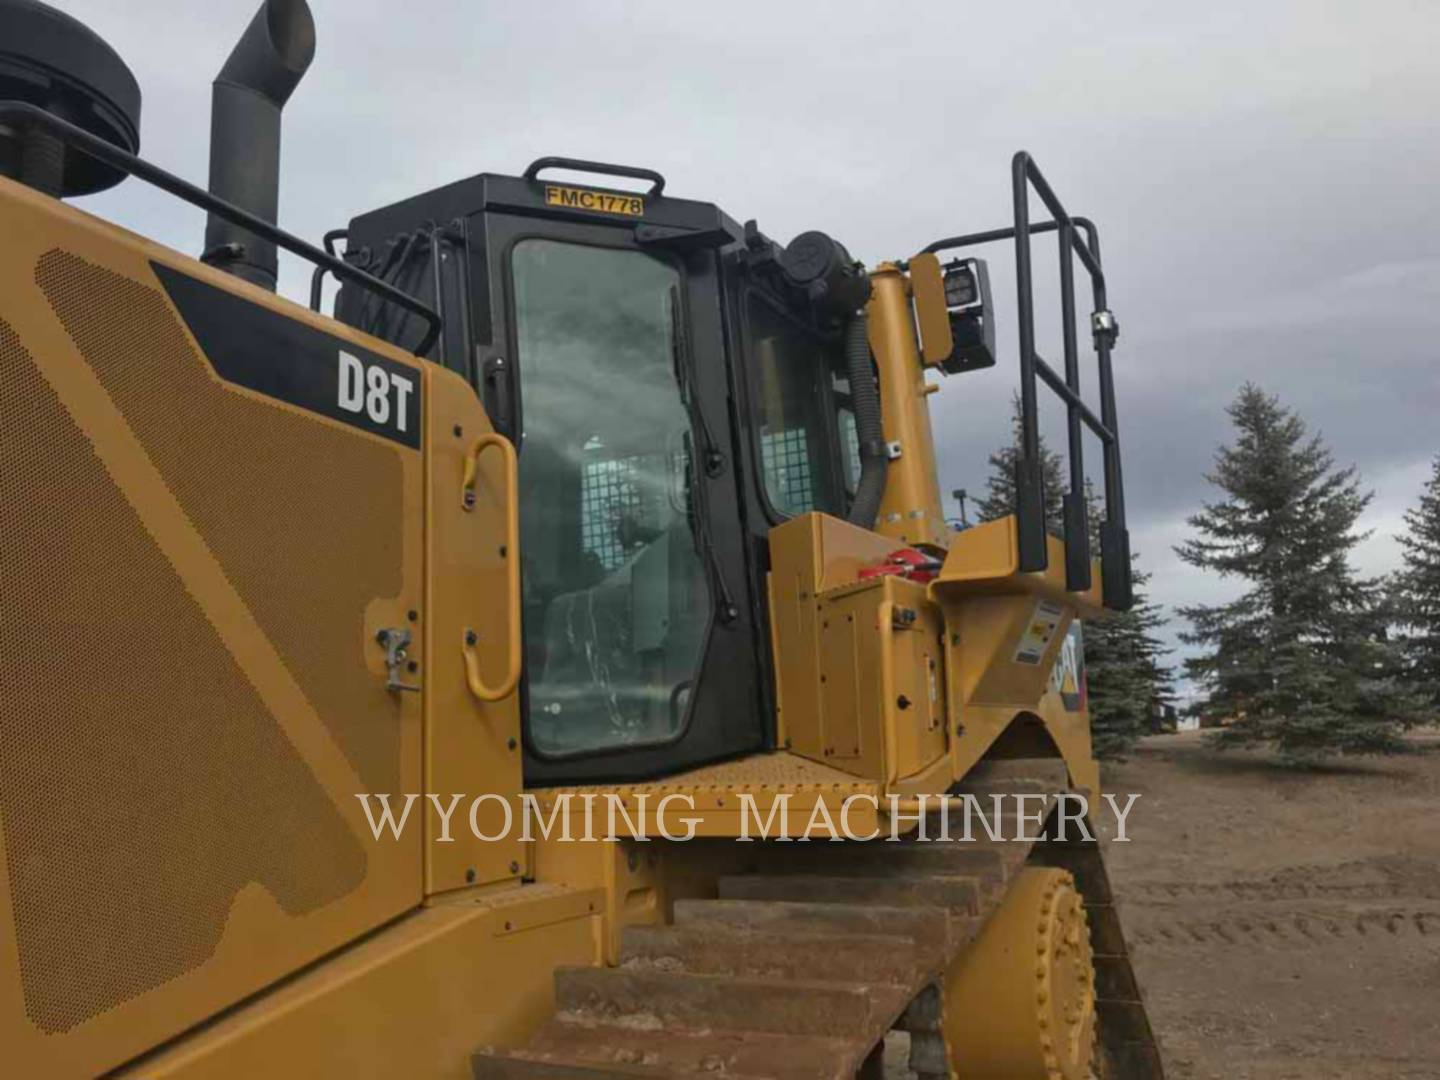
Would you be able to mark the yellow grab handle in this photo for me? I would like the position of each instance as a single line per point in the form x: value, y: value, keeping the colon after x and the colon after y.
x: 473, y: 678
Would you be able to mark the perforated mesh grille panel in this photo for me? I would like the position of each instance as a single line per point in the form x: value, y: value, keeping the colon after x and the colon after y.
x: 613, y: 489
x: 607, y: 491
x: 305, y: 519
x: 785, y: 459
x: 144, y: 782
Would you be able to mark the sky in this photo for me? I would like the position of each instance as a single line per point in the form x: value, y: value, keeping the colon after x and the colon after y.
x: 1264, y: 176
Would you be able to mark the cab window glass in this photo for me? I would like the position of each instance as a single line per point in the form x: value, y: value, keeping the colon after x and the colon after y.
x: 795, y: 400
x: 849, y: 435
x: 617, y: 602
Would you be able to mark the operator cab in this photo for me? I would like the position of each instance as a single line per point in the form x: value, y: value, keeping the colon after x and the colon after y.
x: 675, y: 385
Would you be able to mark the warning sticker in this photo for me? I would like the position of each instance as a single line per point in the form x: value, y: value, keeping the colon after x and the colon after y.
x: 1038, y: 635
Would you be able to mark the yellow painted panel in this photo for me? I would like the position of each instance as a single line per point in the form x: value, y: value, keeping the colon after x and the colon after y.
x: 910, y: 511
x: 233, y: 902
x: 472, y: 747
x: 984, y: 560
x: 415, y: 1000
x: 937, y: 340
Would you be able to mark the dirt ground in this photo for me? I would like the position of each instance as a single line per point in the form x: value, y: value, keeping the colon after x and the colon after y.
x: 1284, y: 924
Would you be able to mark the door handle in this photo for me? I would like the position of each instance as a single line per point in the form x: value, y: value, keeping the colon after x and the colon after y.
x: 511, y: 554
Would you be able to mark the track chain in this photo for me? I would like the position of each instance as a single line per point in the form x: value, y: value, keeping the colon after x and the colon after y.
x: 798, y: 969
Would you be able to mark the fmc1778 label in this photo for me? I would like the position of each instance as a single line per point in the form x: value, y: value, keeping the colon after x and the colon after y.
x: 602, y: 202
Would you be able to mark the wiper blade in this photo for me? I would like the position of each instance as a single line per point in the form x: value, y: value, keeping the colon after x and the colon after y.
x: 713, y: 461
x: 681, y: 362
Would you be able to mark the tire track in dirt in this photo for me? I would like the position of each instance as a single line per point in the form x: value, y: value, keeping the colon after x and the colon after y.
x: 1249, y: 890
x: 1285, y: 924
x: 1389, y: 878
x: 1278, y: 927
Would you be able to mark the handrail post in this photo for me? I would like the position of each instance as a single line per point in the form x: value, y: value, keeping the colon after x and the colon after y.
x: 1029, y: 468
x: 1077, y: 523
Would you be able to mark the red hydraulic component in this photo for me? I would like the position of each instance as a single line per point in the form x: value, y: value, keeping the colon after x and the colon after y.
x: 907, y: 563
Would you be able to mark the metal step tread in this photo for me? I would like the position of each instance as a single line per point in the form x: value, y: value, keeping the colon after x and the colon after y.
x: 929, y: 927
x: 985, y: 862
x: 960, y: 894
x: 684, y: 999
x: 686, y: 1052
x: 726, y: 950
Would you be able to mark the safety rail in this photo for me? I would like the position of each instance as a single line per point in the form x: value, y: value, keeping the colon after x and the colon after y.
x: 23, y: 114
x: 1029, y: 473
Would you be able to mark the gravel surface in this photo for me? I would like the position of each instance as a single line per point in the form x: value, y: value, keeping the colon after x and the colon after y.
x: 1284, y: 923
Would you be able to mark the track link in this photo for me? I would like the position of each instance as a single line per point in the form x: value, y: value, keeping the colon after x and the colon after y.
x: 797, y: 971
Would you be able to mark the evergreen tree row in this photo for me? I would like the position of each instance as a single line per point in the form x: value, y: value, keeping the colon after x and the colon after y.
x: 1309, y: 658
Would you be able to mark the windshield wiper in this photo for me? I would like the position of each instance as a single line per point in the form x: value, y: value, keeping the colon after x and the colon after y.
x: 713, y: 461
x: 681, y: 361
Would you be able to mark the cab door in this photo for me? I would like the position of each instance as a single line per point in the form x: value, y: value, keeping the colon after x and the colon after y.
x: 641, y: 647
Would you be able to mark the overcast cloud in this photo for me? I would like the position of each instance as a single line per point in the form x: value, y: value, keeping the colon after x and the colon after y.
x: 1264, y: 176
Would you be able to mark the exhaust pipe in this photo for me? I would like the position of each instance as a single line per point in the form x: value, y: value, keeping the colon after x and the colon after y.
x: 249, y: 94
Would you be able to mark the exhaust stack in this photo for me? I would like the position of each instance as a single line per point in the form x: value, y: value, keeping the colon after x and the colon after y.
x: 249, y: 95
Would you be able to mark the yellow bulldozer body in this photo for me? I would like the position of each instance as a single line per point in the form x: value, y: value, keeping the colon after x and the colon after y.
x: 190, y: 883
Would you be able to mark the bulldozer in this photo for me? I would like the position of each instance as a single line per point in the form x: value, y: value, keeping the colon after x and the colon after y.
x: 580, y: 494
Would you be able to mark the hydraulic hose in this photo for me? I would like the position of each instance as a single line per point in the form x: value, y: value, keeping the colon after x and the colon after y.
x: 865, y: 400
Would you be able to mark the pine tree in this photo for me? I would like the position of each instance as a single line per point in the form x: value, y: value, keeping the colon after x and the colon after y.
x: 1125, y: 672
x: 1301, y: 659
x: 1417, y: 593
x: 999, y: 497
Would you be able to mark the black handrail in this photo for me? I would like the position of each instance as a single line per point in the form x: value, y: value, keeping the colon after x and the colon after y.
x: 633, y: 172
x: 1029, y: 478
x: 23, y: 113
x: 1092, y: 236
x: 317, y: 279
